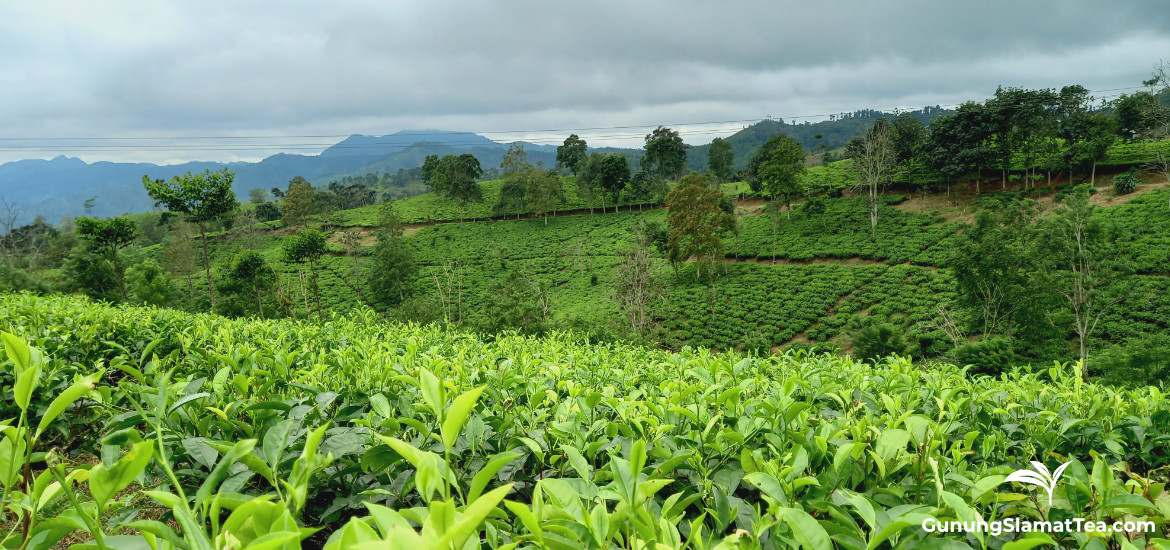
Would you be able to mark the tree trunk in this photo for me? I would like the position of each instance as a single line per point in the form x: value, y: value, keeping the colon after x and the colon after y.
x: 190, y: 288
x: 304, y: 293
x: 316, y: 289
x: 207, y: 266
x: 1084, y: 360
x: 774, y: 245
x: 357, y: 277
x: 121, y: 276
x: 259, y: 302
x: 1093, y: 176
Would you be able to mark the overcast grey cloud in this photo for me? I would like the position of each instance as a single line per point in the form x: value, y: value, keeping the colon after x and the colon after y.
x: 151, y: 69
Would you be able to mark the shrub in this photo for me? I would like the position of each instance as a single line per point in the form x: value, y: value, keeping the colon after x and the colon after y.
x: 1124, y: 183
x: 988, y: 356
x: 757, y: 344
x: 878, y: 340
x: 1136, y: 363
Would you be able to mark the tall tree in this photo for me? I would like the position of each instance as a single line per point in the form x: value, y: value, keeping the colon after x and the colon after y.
x: 516, y: 170
x: 615, y: 174
x: 589, y: 179
x: 720, y: 158
x: 874, y: 158
x: 150, y: 284
x: 1073, y: 114
x: 942, y: 150
x: 544, y: 192
x: 512, y: 196
x: 351, y: 239
x: 978, y: 133
x: 1082, y: 262
x: 1101, y: 133
x: 307, y: 247
x: 992, y: 263
x: 1014, y: 114
x: 637, y: 287
x: 666, y: 154
x: 257, y: 195
x: 777, y: 169
x: 515, y: 163
x: 454, y: 177
x: 393, y: 271
x: 251, y: 271
x: 518, y: 301
x: 299, y: 202
x: 572, y: 153
x: 646, y: 188
x: 106, y: 238
x: 201, y: 199
x: 696, y: 222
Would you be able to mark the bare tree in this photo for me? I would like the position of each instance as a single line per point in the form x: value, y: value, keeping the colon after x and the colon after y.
x: 9, y: 214
x: 945, y: 321
x: 874, y: 159
x: 351, y: 239
x: 636, y: 287
x: 449, y: 286
x: 1084, y: 265
x: 1160, y: 118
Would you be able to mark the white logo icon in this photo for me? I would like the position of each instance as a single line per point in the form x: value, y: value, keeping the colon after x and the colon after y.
x: 1041, y: 477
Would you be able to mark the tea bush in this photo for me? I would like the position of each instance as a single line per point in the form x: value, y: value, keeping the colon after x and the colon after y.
x: 215, y: 433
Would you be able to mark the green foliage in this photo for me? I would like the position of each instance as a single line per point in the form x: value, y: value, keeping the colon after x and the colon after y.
x: 1142, y: 361
x: 254, y: 433
x: 250, y: 276
x: 696, y: 222
x: 878, y: 340
x: 1125, y: 183
x: 571, y: 154
x: 454, y: 177
x: 666, y: 154
x: 614, y: 174
x: 150, y: 284
x: 200, y: 198
x: 993, y: 263
x: 990, y: 356
x: 517, y: 302
x: 268, y: 212
x: 104, y: 239
x: 392, y: 271
x: 299, y: 202
x: 511, y: 196
x: 543, y: 191
x: 306, y: 246
x: 777, y: 169
x: 106, y: 236
x: 721, y: 159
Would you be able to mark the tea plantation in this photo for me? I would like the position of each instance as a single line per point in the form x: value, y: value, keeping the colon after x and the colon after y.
x: 195, y: 431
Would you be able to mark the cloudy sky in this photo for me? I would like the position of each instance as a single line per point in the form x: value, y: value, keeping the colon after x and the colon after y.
x: 171, y: 81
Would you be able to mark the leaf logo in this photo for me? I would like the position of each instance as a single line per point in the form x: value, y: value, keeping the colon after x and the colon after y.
x: 1040, y: 477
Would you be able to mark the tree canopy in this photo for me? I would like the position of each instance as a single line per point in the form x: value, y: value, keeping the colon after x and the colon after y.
x: 572, y: 154
x: 666, y: 154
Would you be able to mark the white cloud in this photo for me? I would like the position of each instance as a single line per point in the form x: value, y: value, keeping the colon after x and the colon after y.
x: 120, y: 69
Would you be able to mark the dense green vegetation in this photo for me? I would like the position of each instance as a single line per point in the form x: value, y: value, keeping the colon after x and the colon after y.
x: 818, y: 336
x: 195, y: 431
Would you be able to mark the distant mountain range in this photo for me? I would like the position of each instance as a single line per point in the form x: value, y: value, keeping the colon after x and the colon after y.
x: 61, y: 186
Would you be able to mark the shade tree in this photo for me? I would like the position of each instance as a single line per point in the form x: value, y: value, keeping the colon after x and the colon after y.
x: 201, y: 199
